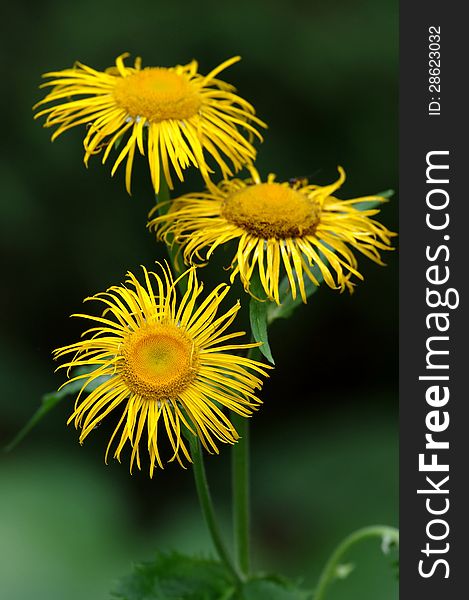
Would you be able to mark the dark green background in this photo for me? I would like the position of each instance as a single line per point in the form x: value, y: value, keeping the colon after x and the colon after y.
x: 323, y: 75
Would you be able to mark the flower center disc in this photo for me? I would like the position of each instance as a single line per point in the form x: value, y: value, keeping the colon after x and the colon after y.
x: 157, y: 94
x: 159, y: 361
x: 272, y: 210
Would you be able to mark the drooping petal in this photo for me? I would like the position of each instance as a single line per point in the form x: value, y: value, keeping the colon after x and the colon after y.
x: 281, y: 229
x: 176, y: 116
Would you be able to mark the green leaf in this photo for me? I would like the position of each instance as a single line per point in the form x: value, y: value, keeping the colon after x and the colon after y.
x: 173, y: 576
x: 177, y: 577
x: 386, y: 194
x: 258, y: 311
x: 287, y: 304
x: 274, y: 588
x: 374, y: 203
x: 50, y: 400
x: 118, y: 142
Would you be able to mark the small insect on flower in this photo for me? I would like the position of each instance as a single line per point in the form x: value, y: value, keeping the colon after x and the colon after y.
x: 281, y: 228
x: 299, y: 181
x: 163, y: 364
x: 175, y: 115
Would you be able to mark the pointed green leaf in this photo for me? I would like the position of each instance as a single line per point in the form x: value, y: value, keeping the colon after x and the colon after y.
x: 287, y: 304
x: 118, y: 142
x: 258, y: 310
x: 177, y: 577
x: 173, y: 576
x: 374, y: 203
x: 50, y: 400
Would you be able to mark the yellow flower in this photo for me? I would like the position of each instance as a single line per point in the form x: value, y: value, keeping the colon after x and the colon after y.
x: 296, y: 225
x: 176, y: 116
x: 162, y: 364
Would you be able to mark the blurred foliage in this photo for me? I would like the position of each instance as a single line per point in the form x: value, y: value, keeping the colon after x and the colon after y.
x: 173, y: 576
x: 323, y: 75
x: 51, y: 399
x: 71, y: 523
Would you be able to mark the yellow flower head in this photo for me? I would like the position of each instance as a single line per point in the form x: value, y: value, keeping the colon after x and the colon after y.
x: 290, y: 227
x: 176, y: 116
x: 161, y: 364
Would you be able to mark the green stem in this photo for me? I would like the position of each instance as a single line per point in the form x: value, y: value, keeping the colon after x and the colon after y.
x: 163, y: 195
x: 163, y: 199
x: 329, y: 572
x: 208, y: 510
x: 200, y: 477
x: 241, y: 496
x: 241, y: 489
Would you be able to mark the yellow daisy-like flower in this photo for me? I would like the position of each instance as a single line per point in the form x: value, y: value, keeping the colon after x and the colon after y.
x: 162, y: 364
x: 176, y: 116
x: 296, y: 225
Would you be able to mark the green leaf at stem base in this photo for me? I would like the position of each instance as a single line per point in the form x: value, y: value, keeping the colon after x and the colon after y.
x: 173, y: 576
